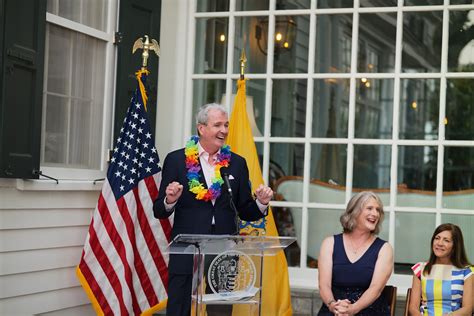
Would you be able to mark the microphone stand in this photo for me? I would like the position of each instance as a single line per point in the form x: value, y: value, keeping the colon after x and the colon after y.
x: 231, y: 202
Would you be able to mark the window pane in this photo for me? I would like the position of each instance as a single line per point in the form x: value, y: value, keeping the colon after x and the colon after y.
x: 291, y: 44
x: 412, y: 240
x: 204, y: 92
x: 423, y: 2
x: 288, y: 158
x: 466, y: 224
x: 417, y: 176
x: 289, y: 107
x: 55, y: 126
x: 321, y: 224
x: 246, y: 30
x: 458, y: 178
x: 60, y: 49
x: 419, y: 108
x: 255, y: 104
x: 422, y: 41
x: 212, y: 5
x: 461, y: 41
x: 211, y: 45
x: 335, y: 4
x: 77, y: 141
x: 292, y: 4
x: 251, y: 5
x: 328, y: 173
x: 377, y: 34
x: 90, y: 13
x: 372, y: 168
x: 460, y: 109
x: 288, y: 222
x: 461, y: 1
x: 374, y: 108
x: 330, y: 108
x: 378, y: 3
x: 333, y: 43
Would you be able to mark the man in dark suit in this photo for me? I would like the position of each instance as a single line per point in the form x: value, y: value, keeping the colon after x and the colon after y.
x: 204, y: 211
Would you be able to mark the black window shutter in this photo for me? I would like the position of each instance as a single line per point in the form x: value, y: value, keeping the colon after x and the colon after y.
x: 22, y: 42
x: 136, y: 19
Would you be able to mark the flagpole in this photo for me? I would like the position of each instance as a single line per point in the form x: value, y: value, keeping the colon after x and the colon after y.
x: 243, y: 60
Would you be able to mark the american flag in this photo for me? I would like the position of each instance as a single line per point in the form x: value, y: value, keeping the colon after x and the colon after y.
x: 123, y: 268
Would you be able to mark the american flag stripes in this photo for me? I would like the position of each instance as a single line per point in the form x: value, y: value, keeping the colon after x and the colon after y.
x: 123, y: 268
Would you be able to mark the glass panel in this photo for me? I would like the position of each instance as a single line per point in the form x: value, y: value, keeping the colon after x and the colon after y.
x: 466, y: 224
x: 461, y: 42
x: 417, y: 176
x: 423, y: 2
x: 288, y: 160
x: 251, y: 5
x: 289, y: 107
x: 328, y: 173
x: 90, y: 13
x: 374, y: 108
x: 384, y: 227
x: 246, y: 31
x: 211, y: 45
x: 372, y: 169
x: 292, y: 4
x: 333, y: 43
x: 288, y: 222
x: 458, y: 178
x: 378, y: 3
x: 59, y: 52
x: 422, y: 41
x: 321, y: 224
x: 291, y: 44
x: 459, y: 109
x: 83, y: 126
x: 377, y: 34
x: 212, y: 5
x: 419, y: 110
x: 75, y: 140
x: 412, y: 240
x: 335, y: 4
x: 55, y: 125
x: 255, y: 104
x: 204, y: 92
x: 461, y: 1
x: 330, y: 108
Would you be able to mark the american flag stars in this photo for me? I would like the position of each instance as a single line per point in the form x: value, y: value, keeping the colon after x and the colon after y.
x: 134, y: 156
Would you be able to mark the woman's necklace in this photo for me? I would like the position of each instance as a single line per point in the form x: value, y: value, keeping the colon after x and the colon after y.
x: 193, y: 167
x: 355, y: 250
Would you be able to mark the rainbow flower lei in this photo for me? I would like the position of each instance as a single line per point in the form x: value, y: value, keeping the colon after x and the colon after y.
x: 192, y: 165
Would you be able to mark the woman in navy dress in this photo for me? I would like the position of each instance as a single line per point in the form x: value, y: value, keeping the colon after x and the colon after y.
x: 355, y: 266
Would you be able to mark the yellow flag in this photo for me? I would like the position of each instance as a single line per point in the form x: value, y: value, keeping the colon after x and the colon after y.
x: 276, y: 288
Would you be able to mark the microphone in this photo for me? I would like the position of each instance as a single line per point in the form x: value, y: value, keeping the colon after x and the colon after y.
x: 225, y: 176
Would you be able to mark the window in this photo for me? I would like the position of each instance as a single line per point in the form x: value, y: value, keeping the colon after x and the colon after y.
x: 362, y: 98
x: 75, y: 87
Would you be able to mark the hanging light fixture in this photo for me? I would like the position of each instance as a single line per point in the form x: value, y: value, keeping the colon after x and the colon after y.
x: 285, y: 32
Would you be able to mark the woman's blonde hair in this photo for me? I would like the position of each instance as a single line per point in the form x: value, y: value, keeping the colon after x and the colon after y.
x: 355, y: 206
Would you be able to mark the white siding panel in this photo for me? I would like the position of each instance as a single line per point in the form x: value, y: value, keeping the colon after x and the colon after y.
x: 43, y: 302
x: 39, y: 260
x: 83, y: 310
x: 34, y: 218
x: 13, y: 199
x: 42, y: 238
x: 41, y: 281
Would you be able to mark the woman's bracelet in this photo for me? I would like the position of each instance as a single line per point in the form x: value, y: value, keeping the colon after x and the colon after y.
x: 330, y: 302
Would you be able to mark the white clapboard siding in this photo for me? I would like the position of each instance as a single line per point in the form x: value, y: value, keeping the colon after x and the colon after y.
x: 34, y: 218
x: 39, y: 260
x: 43, y: 302
x: 42, y: 238
x: 42, y: 235
x: 83, y: 310
x: 40, y: 281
